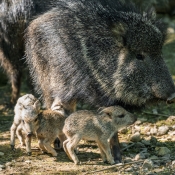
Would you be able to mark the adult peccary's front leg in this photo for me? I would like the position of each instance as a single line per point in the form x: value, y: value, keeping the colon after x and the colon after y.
x: 115, y: 148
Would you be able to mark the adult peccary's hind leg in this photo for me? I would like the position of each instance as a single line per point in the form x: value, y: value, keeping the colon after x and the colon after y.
x: 115, y: 148
x: 14, y: 75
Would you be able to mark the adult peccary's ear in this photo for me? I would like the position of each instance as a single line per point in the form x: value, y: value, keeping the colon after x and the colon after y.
x: 37, y: 105
x: 151, y: 13
x: 119, y: 30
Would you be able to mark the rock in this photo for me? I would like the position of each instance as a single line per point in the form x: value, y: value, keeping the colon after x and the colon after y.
x: 137, y: 128
x: 138, y: 122
x: 161, y: 151
x: 127, y: 160
x: 153, y: 131
x: 154, y: 157
x: 146, y: 142
x: 1, y: 153
x: 129, y: 169
x: 162, y: 130
x: 146, y: 130
x: 173, y: 163
x: 2, y: 167
x: 135, y: 137
x: 139, y: 145
x: 170, y: 30
x: 140, y: 156
x: 155, y: 111
x: 166, y: 157
x: 8, y: 164
x: 148, y: 164
x: 171, y: 133
x: 123, y: 130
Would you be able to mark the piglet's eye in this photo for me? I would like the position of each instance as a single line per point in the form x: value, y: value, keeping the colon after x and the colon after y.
x: 140, y: 57
x: 121, y: 116
x: 23, y: 121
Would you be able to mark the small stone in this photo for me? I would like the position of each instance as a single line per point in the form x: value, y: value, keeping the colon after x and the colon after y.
x: 146, y: 130
x: 129, y: 169
x: 162, y: 130
x: 166, y: 157
x: 1, y: 153
x: 146, y: 142
x: 139, y: 145
x: 137, y: 128
x: 139, y: 156
x: 148, y: 164
x: 138, y: 122
x: 170, y: 30
x: 153, y: 131
x: 154, y: 157
x: 155, y: 111
x: 161, y: 151
x: 128, y: 159
x: 8, y: 164
x: 142, y: 119
x: 171, y: 118
x: 123, y: 130
x: 28, y: 161
x: 135, y: 137
x: 173, y: 162
x: 2, y: 166
x: 171, y: 133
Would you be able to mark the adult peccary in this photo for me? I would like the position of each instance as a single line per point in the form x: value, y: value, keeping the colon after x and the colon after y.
x: 101, y: 52
x: 14, y: 18
x: 26, y: 111
x: 99, y: 127
x: 47, y: 126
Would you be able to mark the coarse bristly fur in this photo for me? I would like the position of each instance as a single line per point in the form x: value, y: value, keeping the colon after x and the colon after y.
x: 101, y: 52
x: 14, y: 18
x: 99, y: 127
x: 26, y: 111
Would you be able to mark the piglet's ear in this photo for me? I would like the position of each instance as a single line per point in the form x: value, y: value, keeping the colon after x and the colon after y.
x: 37, y: 105
x: 107, y: 112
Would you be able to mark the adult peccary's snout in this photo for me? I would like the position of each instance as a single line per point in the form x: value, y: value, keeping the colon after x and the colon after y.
x: 171, y: 99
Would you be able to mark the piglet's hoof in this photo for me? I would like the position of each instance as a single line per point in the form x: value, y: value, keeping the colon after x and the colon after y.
x: 29, y: 153
x: 13, y: 147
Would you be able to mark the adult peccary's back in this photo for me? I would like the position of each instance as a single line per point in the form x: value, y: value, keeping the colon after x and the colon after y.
x: 103, y: 52
x: 14, y: 18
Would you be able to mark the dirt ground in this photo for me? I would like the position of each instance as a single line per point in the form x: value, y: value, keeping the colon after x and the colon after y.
x: 17, y: 162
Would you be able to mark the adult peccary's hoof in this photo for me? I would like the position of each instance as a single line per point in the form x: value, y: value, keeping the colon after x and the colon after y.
x: 29, y: 153
x: 13, y: 147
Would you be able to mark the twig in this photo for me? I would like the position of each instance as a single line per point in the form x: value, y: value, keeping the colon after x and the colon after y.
x: 114, y: 166
x: 128, y: 146
x: 156, y: 114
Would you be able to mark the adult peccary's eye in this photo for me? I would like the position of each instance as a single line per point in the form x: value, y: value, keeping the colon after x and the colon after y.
x: 121, y: 116
x: 140, y: 57
x: 36, y: 119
